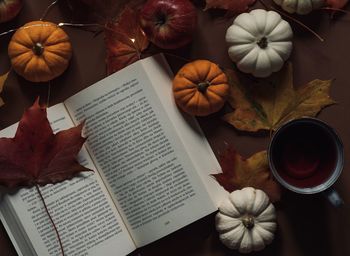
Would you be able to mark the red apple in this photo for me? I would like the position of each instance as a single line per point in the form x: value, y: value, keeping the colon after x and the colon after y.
x: 169, y: 24
x: 9, y: 9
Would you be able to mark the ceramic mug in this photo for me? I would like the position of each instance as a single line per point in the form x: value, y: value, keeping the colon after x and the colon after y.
x: 306, y: 156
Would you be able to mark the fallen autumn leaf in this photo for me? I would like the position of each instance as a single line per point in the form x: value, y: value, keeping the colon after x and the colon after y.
x: 124, y: 41
x: 267, y: 106
x: 36, y: 156
x: 238, y: 172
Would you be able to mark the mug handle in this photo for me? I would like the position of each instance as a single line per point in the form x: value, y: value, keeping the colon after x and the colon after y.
x: 333, y: 197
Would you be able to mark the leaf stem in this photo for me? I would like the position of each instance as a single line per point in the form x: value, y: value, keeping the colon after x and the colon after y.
x: 48, y: 213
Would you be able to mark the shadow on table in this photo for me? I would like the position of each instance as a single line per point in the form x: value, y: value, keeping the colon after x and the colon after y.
x: 306, y: 224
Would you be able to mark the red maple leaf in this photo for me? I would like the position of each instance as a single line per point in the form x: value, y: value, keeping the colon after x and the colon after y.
x: 124, y: 40
x: 239, y: 172
x: 36, y: 156
x: 235, y: 6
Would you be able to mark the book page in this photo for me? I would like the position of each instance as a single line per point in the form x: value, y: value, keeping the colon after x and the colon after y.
x: 140, y: 155
x: 191, y: 135
x: 81, y: 208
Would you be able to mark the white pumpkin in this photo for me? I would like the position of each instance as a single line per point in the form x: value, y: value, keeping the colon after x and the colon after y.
x: 259, y: 42
x: 300, y: 6
x: 246, y: 220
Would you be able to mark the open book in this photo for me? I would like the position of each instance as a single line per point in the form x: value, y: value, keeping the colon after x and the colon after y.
x: 151, y: 171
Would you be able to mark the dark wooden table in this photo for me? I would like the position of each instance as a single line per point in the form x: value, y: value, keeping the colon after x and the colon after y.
x: 308, y: 225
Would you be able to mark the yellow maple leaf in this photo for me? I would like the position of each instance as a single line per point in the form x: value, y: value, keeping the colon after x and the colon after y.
x: 2, y: 84
x: 239, y: 172
x: 268, y: 105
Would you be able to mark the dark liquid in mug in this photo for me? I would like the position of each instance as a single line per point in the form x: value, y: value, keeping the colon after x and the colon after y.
x: 305, y: 155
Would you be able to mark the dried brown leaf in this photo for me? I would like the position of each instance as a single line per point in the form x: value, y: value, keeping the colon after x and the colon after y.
x: 268, y: 105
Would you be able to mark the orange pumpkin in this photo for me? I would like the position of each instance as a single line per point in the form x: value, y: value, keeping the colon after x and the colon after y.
x: 40, y: 51
x: 200, y: 88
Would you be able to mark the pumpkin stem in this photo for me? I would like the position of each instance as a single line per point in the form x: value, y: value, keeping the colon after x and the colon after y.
x: 262, y: 43
x: 202, y: 86
x: 38, y: 49
x: 248, y: 221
